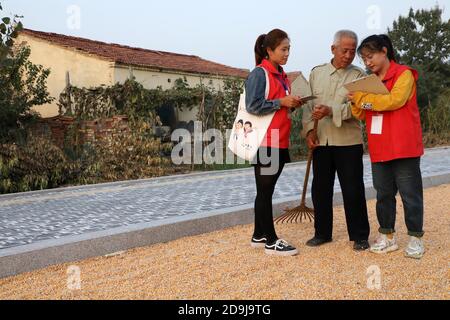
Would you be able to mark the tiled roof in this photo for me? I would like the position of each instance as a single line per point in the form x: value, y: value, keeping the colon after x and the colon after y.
x: 125, y: 55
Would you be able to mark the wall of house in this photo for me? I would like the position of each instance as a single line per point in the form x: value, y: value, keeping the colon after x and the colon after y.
x: 84, y: 70
x: 91, y: 71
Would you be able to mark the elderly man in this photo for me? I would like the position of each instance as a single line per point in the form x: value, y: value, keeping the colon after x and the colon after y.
x: 338, y: 145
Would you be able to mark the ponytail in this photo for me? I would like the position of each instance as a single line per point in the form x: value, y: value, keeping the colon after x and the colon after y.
x: 388, y: 45
x: 260, y: 50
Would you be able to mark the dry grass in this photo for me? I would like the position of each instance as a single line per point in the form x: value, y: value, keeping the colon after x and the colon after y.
x: 221, y: 265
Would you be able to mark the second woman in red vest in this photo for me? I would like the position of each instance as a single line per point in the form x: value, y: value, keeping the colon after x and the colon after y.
x: 395, y: 144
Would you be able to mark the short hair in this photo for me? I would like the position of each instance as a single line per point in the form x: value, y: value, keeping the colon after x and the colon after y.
x: 344, y: 34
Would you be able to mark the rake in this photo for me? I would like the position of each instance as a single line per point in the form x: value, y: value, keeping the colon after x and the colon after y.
x: 301, y: 212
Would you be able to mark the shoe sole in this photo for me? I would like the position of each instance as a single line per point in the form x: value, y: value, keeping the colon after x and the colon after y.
x: 387, y: 250
x: 360, y: 249
x: 317, y: 245
x: 281, y: 253
x: 257, y: 245
x: 414, y: 256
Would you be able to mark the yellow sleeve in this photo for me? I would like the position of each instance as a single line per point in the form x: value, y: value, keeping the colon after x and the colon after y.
x: 399, y: 95
x: 358, y: 113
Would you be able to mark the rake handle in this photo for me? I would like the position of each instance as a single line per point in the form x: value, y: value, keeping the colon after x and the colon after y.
x: 308, y: 167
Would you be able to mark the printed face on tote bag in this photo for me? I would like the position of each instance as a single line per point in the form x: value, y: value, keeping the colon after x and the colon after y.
x: 249, y: 130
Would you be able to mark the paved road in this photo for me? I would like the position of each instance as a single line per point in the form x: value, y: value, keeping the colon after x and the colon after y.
x: 36, y: 216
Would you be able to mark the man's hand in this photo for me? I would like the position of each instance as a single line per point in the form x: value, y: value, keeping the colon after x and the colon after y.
x: 312, y: 140
x: 291, y: 102
x: 321, y: 111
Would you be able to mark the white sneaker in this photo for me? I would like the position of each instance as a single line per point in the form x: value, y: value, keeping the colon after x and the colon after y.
x: 415, y: 248
x: 384, y: 245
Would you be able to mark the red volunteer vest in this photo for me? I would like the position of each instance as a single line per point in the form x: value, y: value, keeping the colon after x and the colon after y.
x: 281, y: 120
x: 401, y: 135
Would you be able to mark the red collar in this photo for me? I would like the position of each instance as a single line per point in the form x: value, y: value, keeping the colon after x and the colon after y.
x: 395, y: 68
x: 269, y: 67
x: 392, y: 71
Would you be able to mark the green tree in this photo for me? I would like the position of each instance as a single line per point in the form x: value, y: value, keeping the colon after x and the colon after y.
x: 23, y: 84
x: 9, y: 30
x: 422, y: 41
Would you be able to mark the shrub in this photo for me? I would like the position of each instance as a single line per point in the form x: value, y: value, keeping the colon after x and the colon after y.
x: 437, y: 119
x: 37, y: 164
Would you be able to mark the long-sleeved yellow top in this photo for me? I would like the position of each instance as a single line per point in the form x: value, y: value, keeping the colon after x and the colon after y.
x: 403, y: 90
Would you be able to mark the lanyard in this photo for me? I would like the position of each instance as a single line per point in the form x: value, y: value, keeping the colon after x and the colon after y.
x: 285, y: 86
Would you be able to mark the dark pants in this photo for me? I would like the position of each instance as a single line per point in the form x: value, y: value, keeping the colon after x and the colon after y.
x: 347, y: 162
x: 401, y: 175
x: 266, y: 176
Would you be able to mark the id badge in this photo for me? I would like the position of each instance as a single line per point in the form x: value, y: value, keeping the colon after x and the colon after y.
x: 377, y: 124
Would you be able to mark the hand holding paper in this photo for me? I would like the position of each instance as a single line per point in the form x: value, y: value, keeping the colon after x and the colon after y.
x: 369, y: 84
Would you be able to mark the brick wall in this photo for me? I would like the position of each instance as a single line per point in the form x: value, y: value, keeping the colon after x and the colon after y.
x: 59, y: 129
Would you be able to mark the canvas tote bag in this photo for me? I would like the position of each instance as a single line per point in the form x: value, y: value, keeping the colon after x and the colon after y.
x: 249, y: 130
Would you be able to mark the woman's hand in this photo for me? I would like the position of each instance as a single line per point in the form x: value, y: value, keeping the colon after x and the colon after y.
x: 291, y: 102
x: 351, y: 97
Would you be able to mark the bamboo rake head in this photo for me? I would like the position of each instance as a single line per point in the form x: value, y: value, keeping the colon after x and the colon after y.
x: 296, y: 215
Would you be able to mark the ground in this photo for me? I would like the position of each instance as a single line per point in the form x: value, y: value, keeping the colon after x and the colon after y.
x: 222, y: 265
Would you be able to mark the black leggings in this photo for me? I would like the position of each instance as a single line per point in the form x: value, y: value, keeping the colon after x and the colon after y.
x: 265, y: 187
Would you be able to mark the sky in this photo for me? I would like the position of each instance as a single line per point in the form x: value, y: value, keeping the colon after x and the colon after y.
x: 221, y: 31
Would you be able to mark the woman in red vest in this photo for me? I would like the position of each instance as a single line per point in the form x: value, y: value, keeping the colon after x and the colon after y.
x: 271, y: 52
x: 395, y: 144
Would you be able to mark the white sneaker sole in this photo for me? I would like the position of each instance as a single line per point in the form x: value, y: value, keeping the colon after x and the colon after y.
x: 387, y: 250
x: 282, y: 253
x: 414, y: 256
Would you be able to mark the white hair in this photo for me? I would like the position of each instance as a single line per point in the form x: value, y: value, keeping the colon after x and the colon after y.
x: 344, y: 34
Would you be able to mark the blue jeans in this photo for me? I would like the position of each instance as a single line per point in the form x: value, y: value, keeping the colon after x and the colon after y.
x: 404, y: 176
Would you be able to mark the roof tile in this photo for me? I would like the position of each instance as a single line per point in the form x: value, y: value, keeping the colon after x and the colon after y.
x: 140, y: 57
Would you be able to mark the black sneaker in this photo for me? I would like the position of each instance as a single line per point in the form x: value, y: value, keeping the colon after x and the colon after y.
x: 315, y: 242
x: 280, y: 248
x: 361, y: 245
x: 258, y: 242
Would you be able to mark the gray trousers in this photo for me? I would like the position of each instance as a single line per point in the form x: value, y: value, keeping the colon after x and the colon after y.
x: 404, y: 176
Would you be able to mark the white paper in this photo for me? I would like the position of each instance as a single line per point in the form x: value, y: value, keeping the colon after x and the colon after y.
x: 377, y: 124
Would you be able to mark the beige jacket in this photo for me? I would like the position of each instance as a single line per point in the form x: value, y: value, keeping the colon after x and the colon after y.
x: 340, y: 128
